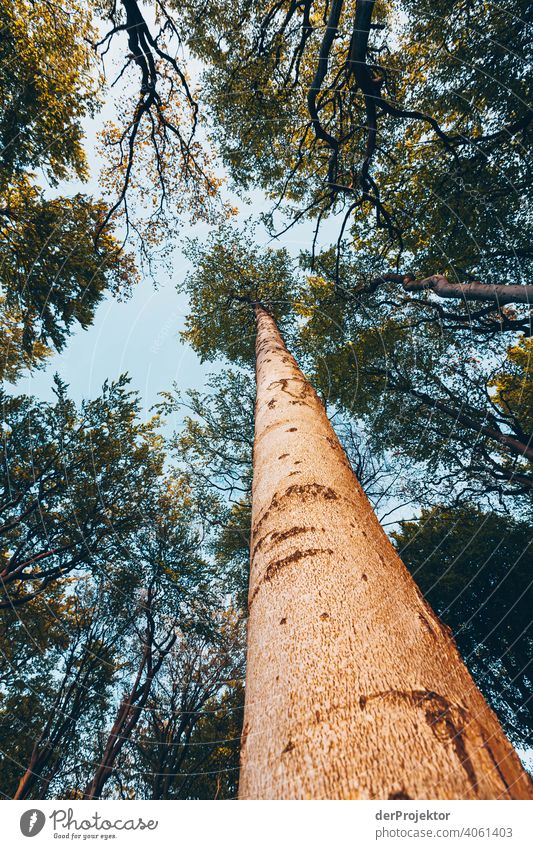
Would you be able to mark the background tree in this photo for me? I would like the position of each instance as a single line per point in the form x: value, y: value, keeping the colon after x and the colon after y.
x: 153, y: 650
x: 58, y: 255
x: 85, y: 646
x: 33, y: 642
x: 74, y: 482
x: 67, y: 707
x: 187, y: 745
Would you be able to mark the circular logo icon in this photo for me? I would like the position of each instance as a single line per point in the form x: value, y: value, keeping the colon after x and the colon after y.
x: 32, y: 822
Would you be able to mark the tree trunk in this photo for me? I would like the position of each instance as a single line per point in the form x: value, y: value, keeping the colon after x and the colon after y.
x: 354, y: 687
x: 30, y: 777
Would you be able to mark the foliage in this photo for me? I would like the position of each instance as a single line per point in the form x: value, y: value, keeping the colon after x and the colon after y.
x: 425, y: 392
x: 13, y: 356
x: 57, y: 264
x: 74, y: 482
x: 188, y: 743
x: 514, y: 385
x: 98, y: 538
x: 123, y: 578
x: 47, y: 88
x: 407, y: 122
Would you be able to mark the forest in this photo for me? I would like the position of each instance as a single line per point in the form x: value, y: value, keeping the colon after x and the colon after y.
x: 303, y: 571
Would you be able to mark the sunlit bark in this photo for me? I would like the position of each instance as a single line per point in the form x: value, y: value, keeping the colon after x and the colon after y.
x: 354, y: 687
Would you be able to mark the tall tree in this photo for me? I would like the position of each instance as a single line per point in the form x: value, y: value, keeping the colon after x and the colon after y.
x: 418, y: 388
x: 472, y: 564
x: 361, y: 688
x: 342, y: 649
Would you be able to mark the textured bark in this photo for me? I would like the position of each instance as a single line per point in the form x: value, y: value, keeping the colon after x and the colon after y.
x: 499, y: 293
x: 354, y: 687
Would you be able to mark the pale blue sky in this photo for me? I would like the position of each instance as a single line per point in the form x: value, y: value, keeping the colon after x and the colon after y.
x: 141, y: 335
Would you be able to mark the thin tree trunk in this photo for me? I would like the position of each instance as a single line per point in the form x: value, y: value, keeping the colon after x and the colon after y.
x: 354, y: 687
x: 499, y: 293
x: 132, y: 705
x: 126, y: 720
x: 30, y: 777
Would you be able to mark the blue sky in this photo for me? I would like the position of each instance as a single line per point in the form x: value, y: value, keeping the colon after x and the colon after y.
x: 140, y: 335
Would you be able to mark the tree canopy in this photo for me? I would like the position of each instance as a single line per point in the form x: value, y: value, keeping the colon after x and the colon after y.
x: 473, y: 567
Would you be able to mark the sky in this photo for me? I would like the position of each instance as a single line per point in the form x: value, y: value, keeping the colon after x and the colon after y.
x: 141, y: 335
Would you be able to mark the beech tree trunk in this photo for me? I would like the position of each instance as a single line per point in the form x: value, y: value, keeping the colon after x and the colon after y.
x: 354, y: 689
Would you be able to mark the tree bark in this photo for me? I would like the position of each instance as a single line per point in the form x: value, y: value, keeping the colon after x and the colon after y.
x: 500, y: 294
x: 30, y: 777
x: 354, y: 687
